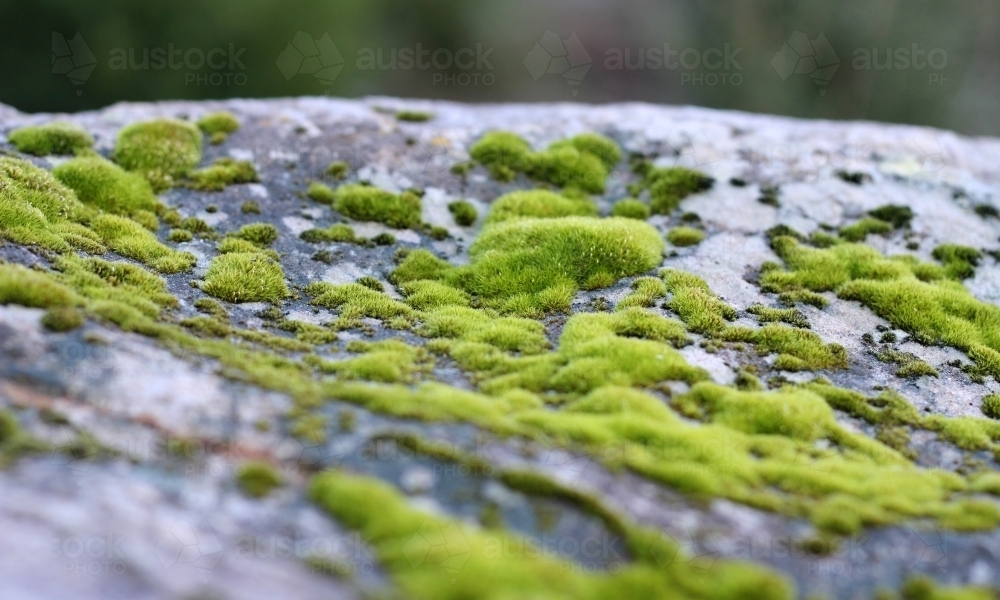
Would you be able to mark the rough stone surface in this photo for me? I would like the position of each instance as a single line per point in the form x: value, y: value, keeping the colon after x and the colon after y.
x: 136, y: 520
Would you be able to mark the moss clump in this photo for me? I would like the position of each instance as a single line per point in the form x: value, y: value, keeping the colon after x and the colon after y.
x: 630, y: 208
x: 100, y: 280
x: 909, y: 365
x: 645, y: 292
x: 62, y: 318
x: 960, y: 262
x: 250, y: 208
x: 695, y: 303
x: 218, y: 125
x: 425, y: 294
x: 52, y: 138
x: 356, y: 301
x: 685, y: 236
x: 540, y: 204
x: 366, y: 203
x: 528, y: 266
x: 896, y: 215
x: 386, y: 361
x: 320, y: 192
x: 130, y: 239
x: 463, y: 212
x: 858, y: 231
x: 338, y: 232
x: 163, y: 151
x: 991, y: 406
x: 245, y: 277
x: 107, y: 186
x: 223, y: 172
x: 20, y: 285
x: 211, y: 307
x: 259, y: 234
x: 767, y: 314
x: 338, y: 169
x: 257, y: 478
x: 179, y: 236
x: 667, y: 187
x: 580, y: 162
x: 413, y: 116
x: 420, y: 264
x: 793, y: 297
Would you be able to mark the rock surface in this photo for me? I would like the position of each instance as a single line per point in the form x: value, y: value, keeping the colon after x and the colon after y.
x: 132, y: 517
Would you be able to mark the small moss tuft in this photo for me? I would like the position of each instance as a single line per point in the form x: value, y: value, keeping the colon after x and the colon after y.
x: 223, y: 172
x: 630, y: 208
x: 667, y: 187
x: 463, y: 212
x: 991, y: 406
x: 107, y: 186
x: 959, y: 261
x: 130, y: 239
x: 366, y: 203
x: 250, y: 208
x: 259, y: 234
x: 338, y: 170
x: 685, y: 236
x: 52, y: 138
x: 897, y: 215
x: 413, y: 116
x: 320, y: 192
x: 257, y: 478
x: 540, y: 204
x: 245, y: 277
x: 20, y: 285
x: 218, y: 125
x: 856, y: 232
x: 338, y: 232
x: 62, y: 318
x: 163, y: 151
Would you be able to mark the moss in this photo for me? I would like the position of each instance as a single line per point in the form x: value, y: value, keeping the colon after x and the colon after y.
x: 667, y: 187
x: 897, y: 215
x: 259, y: 234
x: 230, y: 245
x: 257, y: 478
x: 179, y: 236
x: 645, y: 292
x: 921, y: 587
x: 694, y: 302
x: 538, y: 204
x: 413, y: 116
x: 105, y: 185
x: 20, y: 285
x: 356, y: 301
x: 909, y: 365
x: 420, y: 264
x: 62, y: 318
x: 222, y: 172
x: 211, y: 307
x: 798, y: 350
x: 990, y: 406
x: 769, y: 195
x: 197, y: 227
x: 366, y: 203
x: 338, y: 170
x: 245, y: 277
x: 959, y: 261
x: 600, y: 146
x: 912, y: 296
x: 857, y: 232
x: 218, y: 125
x: 685, y: 236
x: 766, y: 314
x: 424, y: 294
x: 630, y: 208
x: 131, y: 240
x: 163, y: 151
x: 793, y: 297
x: 320, y: 192
x: 338, y: 232
x: 529, y: 266
x: 463, y: 212
x: 465, y: 324
x: 386, y: 361
x: 250, y: 208
x: 52, y: 138
x: 502, y: 153
x: 308, y: 332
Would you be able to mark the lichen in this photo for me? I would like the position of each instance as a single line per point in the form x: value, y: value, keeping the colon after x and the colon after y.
x: 51, y: 138
x: 366, y: 203
x: 163, y: 150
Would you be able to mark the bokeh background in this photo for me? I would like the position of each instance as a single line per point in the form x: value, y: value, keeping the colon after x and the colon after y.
x: 70, y: 55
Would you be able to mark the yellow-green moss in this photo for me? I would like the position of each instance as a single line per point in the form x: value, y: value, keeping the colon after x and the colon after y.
x: 105, y: 185
x: 367, y: 203
x: 131, y: 240
x: 856, y: 232
x: 179, y: 236
x: 51, y: 138
x: 645, y: 292
x: 420, y: 264
x: 685, y: 236
x: 245, y: 277
x: 62, y: 318
x: 386, y: 361
x: 259, y: 234
x: 466, y: 324
x: 338, y: 169
x: 218, y: 125
x: 423, y: 294
x: 223, y: 172
x: 257, y: 478
x: 338, y: 232
x: 463, y: 212
x: 990, y: 406
x: 767, y: 314
x: 356, y: 301
x: 320, y: 192
x: 959, y: 261
x: 538, y: 204
x: 667, y: 187
x: 909, y: 364
x: 20, y: 285
x: 630, y: 208
x: 163, y: 150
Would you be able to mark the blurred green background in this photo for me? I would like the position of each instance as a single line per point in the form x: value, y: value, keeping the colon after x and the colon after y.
x: 256, y: 56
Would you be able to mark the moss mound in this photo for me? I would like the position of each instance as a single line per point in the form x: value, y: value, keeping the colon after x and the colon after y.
x: 366, y: 203
x: 53, y: 138
x: 245, y: 277
x: 163, y: 151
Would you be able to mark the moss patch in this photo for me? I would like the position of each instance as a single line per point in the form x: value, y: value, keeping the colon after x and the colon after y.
x: 366, y: 203
x: 685, y: 236
x: 223, y: 172
x: 667, y: 187
x: 107, y: 186
x: 257, y: 478
x: 130, y: 239
x: 338, y: 232
x: 320, y: 192
x: 218, y: 125
x: 245, y: 277
x: 463, y: 212
x: 52, y: 138
x: 538, y: 204
x: 630, y: 208
x: 163, y: 151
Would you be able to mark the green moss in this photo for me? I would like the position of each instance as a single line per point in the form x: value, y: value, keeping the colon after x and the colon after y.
x: 502, y: 153
x: 424, y: 294
x: 538, y: 204
x: 245, y: 277
x: 250, y: 208
x: 218, y: 125
x: 564, y: 165
x: 230, y: 245
x: 685, y: 236
x: 52, y: 138
x: 211, y: 307
x: 257, y: 478
x: 356, y: 301
x: 107, y: 186
x: 20, y: 285
x: 259, y: 234
x: 990, y: 406
x: 131, y: 240
x: 959, y: 261
x: 413, y: 116
x: 856, y: 232
x: 320, y: 192
x: 793, y: 297
x: 645, y: 292
x: 338, y: 232
x: 366, y: 203
x: 600, y: 146
x: 163, y: 151
x: 179, y: 236
x: 909, y: 365
x: 129, y: 284
x: 529, y: 266
x: 912, y: 296
x: 308, y: 332
x: 222, y: 172
x: 667, y: 187
x: 694, y: 302
x: 921, y: 587
x: 338, y: 169
x: 62, y: 318
x: 767, y: 314
x: 630, y: 208
x: 469, y: 325
x: 386, y: 361
x: 896, y: 215
x: 420, y: 264
x: 463, y: 212
x: 797, y: 349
